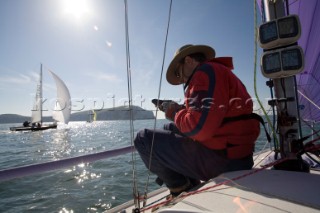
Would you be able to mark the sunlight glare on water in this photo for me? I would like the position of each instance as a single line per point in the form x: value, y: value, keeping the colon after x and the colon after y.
x: 89, y: 187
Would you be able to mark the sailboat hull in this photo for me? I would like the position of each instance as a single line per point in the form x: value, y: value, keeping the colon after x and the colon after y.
x: 29, y: 128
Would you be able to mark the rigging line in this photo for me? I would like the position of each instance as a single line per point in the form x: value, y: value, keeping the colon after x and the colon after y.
x: 308, y: 99
x: 312, y: 128
x: 159, y: 92
x: 261, y: 151
x: 134, y: 185
x: 312, y: 158
x: 255, y: 75
x: 262, y: 159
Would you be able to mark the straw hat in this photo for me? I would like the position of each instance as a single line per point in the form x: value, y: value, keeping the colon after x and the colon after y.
x: 181, y: 53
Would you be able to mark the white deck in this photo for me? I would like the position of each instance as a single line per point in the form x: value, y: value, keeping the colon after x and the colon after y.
x: 266, y: 190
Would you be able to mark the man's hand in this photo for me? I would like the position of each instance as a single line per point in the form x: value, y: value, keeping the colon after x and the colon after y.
x: 170, y: 109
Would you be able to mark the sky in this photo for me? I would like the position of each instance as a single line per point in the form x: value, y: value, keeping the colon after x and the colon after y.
x: 84, y: 43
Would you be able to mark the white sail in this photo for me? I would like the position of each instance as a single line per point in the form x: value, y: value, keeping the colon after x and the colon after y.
x: 36, y: 116
x: 62, y: 109
x: 94, y: 115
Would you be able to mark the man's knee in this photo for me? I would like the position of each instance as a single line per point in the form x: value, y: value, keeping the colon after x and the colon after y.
x: 140, y: 139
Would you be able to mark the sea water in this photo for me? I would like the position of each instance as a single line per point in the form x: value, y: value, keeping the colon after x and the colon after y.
x: 90, y: 187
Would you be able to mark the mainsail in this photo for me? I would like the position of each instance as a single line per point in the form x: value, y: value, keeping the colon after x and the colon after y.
x: 62, y: 109
x: 309, y: 80
x: 36, y: 116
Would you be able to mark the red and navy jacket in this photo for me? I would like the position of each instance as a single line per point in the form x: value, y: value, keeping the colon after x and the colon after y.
x: 214, y: 93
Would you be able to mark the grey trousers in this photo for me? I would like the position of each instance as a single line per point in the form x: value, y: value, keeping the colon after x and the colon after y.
x: 176, y: 158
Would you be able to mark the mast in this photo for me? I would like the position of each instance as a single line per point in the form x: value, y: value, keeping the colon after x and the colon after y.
x: 286, y: 98
x: 40, y: 93
x: 36, y: 115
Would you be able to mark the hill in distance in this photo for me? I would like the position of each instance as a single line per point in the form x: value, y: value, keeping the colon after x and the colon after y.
x: 116, y: 113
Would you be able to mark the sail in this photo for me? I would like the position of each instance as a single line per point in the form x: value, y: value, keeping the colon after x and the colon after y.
x: 94, y: 115
x: 308, y: 81
x: 62, y: 109
x: 36, y: 116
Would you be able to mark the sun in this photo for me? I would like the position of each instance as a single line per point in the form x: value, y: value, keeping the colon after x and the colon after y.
x: 76, y: 8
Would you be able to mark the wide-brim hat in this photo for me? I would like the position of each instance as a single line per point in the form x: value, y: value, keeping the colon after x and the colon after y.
x: 181, y: 53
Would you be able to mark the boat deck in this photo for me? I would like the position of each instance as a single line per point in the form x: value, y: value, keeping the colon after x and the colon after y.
x: 246, y: 191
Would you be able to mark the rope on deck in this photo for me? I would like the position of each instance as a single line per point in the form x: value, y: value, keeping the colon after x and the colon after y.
x: 18, y: 172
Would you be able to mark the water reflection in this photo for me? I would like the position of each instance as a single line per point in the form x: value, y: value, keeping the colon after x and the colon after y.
x: 61, y: 145
x: 93, y: 187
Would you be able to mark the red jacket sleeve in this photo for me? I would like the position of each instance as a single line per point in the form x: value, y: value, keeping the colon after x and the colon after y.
x: 205, y: 104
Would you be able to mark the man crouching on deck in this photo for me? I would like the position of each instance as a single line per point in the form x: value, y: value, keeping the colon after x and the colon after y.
x: 212, y: 132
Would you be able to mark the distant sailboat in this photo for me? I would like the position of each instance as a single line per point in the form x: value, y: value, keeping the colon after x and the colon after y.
x: 92, y: 116
x: 61, y: 112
